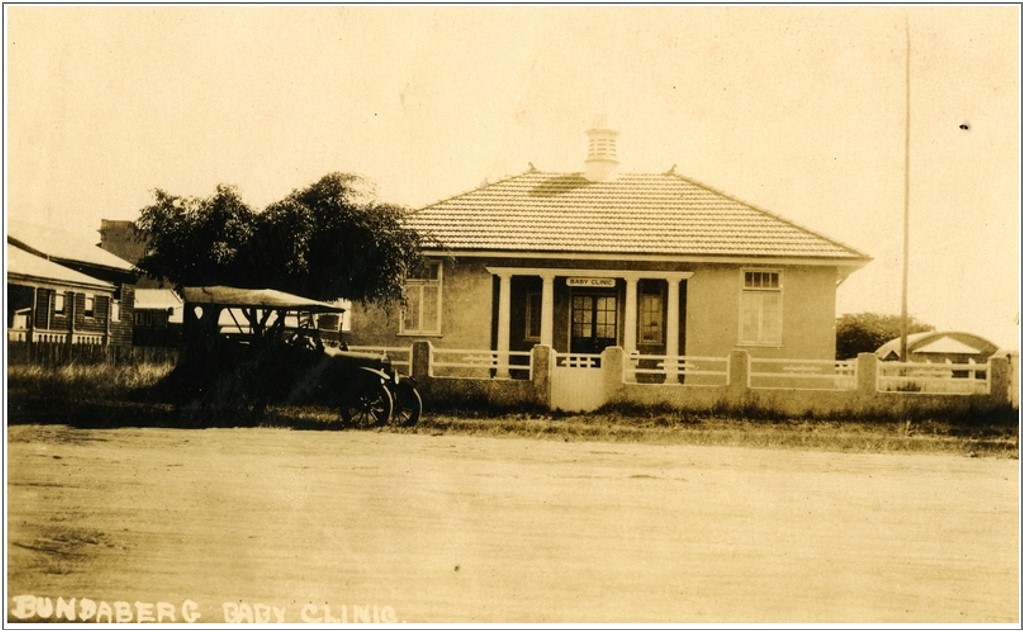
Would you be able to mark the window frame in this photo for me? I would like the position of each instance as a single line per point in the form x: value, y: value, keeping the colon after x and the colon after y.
x: 420, y: 285
x: 651, y: 289
x: 60, y: 303
x: 89, y: 306
x: 746, y: 294
x: 534, y: 300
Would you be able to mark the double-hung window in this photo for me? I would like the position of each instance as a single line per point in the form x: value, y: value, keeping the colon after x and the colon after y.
x: 421, y: 314
x: 760, y: 308
x: 651, y: 312
x: 534, y: 300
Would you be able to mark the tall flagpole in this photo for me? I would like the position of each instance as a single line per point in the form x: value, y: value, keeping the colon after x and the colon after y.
x: 905, y: 222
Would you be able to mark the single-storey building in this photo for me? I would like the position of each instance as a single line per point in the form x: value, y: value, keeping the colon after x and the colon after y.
x: 61, y: 288
x: 655, y: 263
x: 958, y: 347
x: 159, y: 317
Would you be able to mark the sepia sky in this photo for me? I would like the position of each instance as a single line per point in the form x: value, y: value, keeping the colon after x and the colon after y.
x: 798, y: 110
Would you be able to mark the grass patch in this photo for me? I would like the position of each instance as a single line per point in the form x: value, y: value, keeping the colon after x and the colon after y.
x: 106, y: 396
x: 681, y: 427
x: 86, y: 381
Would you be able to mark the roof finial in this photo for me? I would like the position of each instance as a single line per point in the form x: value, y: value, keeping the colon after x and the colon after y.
x: 532, y: 168
x: 671, y: 172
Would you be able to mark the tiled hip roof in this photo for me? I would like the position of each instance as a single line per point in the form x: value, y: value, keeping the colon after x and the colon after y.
x: 654, y: 214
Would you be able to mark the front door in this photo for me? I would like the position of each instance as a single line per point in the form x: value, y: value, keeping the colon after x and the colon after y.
x: 594, y: 322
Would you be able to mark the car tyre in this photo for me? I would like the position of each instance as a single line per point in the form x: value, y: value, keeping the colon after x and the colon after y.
x: 408, y: 404
x: 370, y: 406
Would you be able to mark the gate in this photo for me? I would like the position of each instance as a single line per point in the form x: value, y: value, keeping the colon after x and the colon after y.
x: 577, y: 382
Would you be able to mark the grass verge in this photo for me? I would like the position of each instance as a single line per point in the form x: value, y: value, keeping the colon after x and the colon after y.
x: 106, y: 396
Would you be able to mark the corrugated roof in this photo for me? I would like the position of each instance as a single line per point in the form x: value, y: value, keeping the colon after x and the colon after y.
x: 162, y: 299
x: 656, y: 214
x: 245, y: 297
x: 57, y: 243
x: 157, y: 298
x: 940, y: 342
x: 23, y: 265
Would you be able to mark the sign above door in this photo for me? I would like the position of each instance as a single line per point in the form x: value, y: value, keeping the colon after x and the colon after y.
x: 590, y: 282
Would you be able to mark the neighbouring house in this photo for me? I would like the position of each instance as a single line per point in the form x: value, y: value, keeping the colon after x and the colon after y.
x: 955, y: 347
x: 62, y: 288
x: 655, y: 263
x: 159, y: 317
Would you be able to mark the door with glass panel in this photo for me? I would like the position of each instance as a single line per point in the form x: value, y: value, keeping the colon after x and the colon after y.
x: 594, y: 322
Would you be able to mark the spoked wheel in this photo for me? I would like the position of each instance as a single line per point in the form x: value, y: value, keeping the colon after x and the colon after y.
x: 408, y: 405
x: 371, y: 405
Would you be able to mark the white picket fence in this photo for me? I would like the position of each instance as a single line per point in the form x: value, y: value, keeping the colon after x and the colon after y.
x: 816, y: 375
x: 480, y: 364
x: 924, y: 377
x: 401, y: 357
x: 760, y: 373
x: 705, y: 370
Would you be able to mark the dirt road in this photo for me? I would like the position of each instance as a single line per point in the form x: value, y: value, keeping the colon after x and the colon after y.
x: 261, y: 524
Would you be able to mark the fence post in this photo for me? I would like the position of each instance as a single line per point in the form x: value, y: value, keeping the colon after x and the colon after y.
x: 866, y: 374
x: 738, y: 374
x: 1013, y: 360
x: 612, y: 364
x: 542, y: 359
x: 419, y: 360
x: 1000, y: 379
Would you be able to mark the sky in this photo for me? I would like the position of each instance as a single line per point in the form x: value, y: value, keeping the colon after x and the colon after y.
x: 800, y: 111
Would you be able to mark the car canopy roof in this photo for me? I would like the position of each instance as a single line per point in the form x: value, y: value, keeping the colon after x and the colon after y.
x: 227, y: 296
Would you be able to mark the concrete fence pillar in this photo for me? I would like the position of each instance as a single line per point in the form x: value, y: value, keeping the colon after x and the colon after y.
x: 543, y: 361
x: 419, y: 363
x: 738, y: 373
x: 612, y: 364
x: 866, y: 374
x: 1000, y: 380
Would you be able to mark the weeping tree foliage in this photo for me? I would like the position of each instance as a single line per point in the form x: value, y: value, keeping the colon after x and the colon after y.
x: 866, y: 331
x: 329, y: 240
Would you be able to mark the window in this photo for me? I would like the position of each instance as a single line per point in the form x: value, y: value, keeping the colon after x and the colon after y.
x: 421, y: 314
x: 90, y: 305
x: 651, y: 313
x: 115, y: 311
x: 534, y: 303
x: 760, y: 308
x: 58, y: 302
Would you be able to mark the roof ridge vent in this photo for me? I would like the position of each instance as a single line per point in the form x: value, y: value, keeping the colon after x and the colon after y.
x: 602, y: 152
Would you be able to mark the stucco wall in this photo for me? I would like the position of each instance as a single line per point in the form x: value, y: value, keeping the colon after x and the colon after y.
x: 466, y: 309
x: 710, y: 324
x: 808, y: 313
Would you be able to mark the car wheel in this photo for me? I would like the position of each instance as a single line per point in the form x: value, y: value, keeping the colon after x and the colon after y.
x: 408, y: 405
x: 369, y: 406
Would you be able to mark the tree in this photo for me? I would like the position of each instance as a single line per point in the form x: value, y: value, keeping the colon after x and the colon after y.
x: 866, y: 331
x: 329, y: 240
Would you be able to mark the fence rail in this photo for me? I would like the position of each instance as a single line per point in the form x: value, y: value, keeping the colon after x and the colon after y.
x: 710, y: 370
x: 925, y: 377
x: 577, y: 360
x: 54, y: 337
x: 401, y: 357
x: 61, y: 353
x: 480, y: 363
x: 774, y: 373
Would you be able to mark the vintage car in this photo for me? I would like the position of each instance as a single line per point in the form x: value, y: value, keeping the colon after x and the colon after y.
x: 253, y: 347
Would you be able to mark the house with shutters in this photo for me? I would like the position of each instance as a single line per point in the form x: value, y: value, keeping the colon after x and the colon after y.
x: 61, y: 288
x: 654, y: 263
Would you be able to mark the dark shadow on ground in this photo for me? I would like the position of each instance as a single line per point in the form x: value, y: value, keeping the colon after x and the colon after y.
x: 126, y: 413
